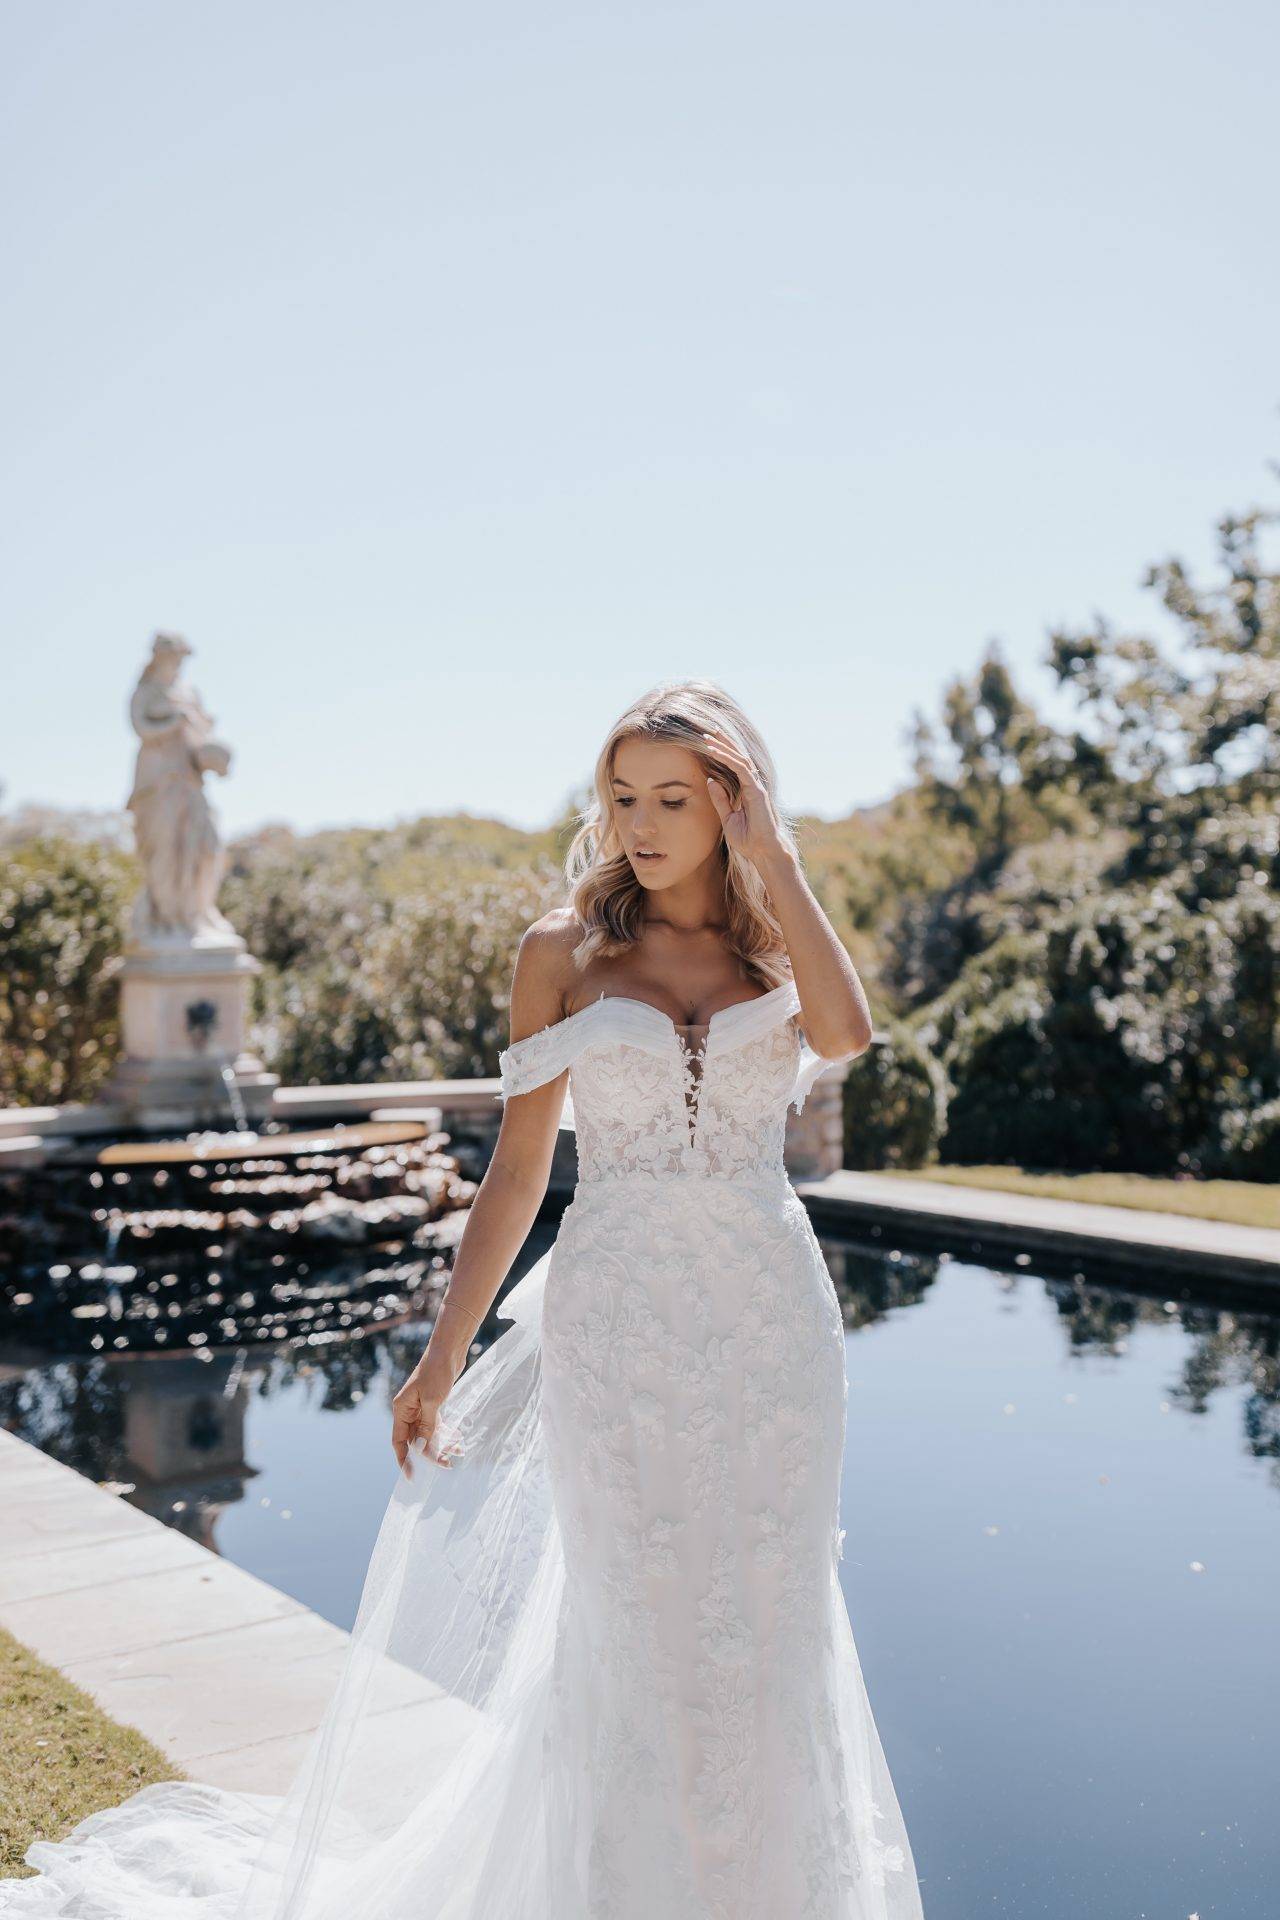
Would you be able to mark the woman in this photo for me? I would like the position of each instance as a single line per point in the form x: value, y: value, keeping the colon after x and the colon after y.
x: 602, y: 1667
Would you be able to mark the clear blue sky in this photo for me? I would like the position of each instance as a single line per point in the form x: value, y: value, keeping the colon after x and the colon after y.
x: 449, y: 374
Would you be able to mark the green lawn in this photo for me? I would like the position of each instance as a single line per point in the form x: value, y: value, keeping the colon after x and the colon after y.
x: 61, y: 1757
x: 1240, y: 1202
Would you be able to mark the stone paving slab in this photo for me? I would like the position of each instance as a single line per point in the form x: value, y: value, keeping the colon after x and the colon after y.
x: 219, y: 1692
x: 222, y: 1672
x: 122, y: 1615
x: 266, y: 1767
x: 413, y: 1730
x: 198, y: 1655
x: 37, y: 1520
x: 19, y: 1151
x: 1174, y: 1243
x: 74, y: 1567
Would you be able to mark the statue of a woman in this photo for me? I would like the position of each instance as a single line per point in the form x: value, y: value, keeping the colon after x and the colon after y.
x: 176, y: 833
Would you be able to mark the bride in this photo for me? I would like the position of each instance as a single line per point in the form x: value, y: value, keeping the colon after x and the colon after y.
x: 602, y: 1667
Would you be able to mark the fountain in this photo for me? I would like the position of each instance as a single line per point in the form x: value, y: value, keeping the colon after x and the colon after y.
x: 171, y: 1252
x: 235, y: 1100
x: 155, y: 1246
x: 209, y: 1236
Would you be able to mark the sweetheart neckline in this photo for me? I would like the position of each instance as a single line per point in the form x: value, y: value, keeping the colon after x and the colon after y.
x: 677, y: 1026
x: 540, y: 1049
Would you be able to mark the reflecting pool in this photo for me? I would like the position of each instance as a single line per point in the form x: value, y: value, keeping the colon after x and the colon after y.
x: 1061, y: 1557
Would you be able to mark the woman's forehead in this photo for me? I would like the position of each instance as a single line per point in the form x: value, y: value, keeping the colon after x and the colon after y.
x: 653, y: 763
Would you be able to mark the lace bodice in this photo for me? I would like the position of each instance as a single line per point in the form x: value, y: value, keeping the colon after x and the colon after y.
x: 647, y: 1100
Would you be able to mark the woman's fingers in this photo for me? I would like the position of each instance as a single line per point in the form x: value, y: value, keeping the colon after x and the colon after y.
x: 742, y: 764
x: 402, y: 1428
x: 414, y: 1422
x: 406, y: 1420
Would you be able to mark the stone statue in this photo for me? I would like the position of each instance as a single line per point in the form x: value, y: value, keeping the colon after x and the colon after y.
x: 185, y: 975
x: 177, y: 836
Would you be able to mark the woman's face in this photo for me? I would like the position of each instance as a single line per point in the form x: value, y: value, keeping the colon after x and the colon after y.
x: 665, y: 817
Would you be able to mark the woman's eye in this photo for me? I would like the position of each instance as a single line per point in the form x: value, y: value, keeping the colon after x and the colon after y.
x: 673, y: 803
x: 621, y: 800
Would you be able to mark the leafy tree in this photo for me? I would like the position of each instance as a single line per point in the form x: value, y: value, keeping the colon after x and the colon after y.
x: 895, y: 1103
x: 997, y: 771
x: 1070, y: 935
x: 63, y: 905
x: 1127, y: 1032
x: 1191, y: 747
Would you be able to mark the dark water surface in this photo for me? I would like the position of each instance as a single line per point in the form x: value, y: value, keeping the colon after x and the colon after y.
x: 1062, y: 1557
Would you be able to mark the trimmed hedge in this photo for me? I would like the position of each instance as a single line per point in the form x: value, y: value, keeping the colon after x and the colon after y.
x: 895, y: 1103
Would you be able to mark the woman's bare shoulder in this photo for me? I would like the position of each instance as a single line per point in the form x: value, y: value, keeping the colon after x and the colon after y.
x: 544, y: 969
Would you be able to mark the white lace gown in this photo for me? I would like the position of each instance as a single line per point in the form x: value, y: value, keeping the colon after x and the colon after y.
x: 603, y: 1668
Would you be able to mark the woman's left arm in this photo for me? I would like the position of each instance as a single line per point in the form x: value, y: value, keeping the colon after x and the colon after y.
x: 837, y: 1016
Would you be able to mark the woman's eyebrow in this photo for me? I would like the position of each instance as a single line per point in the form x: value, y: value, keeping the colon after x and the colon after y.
x: 661, y: 783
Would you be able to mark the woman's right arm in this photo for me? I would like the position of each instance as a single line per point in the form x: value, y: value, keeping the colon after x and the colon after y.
x: 504, y: 1209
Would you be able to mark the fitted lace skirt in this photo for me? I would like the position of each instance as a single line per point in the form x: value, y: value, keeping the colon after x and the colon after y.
x: 705, y: 1684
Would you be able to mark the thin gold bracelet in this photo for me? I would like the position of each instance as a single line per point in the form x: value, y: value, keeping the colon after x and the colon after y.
x: 459, y: 1308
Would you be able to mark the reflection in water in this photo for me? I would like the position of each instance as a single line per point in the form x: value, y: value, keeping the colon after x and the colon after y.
x: 1061, y: 1548
x: 167, y: 1431
x: 1225, y: 1348
x: 171, y: 1428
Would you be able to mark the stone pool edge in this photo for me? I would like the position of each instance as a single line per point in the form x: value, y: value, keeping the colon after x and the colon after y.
x: 222, y: 1672
x: 1175, y: 1247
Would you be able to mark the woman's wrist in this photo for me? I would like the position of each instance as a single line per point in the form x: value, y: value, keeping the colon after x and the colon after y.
x: 451, y: 1337
x: 778, y: 864
x: 455, y: 1306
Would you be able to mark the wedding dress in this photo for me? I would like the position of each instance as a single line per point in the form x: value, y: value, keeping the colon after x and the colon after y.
x: 602, y: 1668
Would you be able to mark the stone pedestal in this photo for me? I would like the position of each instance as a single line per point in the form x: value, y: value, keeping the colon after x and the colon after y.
x: 183, y: 1008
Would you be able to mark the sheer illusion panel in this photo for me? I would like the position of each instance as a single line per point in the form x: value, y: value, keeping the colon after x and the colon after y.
x: 693, y: 1049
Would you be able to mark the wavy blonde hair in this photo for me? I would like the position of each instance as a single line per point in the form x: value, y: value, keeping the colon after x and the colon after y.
x: 605, y: 896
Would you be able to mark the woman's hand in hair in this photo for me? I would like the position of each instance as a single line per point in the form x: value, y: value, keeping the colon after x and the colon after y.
x: 751, y: 826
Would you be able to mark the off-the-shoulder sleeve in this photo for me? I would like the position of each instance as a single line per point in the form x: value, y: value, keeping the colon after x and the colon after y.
x: 809, y: 1066
x: 530, y: 1063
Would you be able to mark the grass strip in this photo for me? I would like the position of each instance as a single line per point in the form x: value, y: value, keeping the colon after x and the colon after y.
x: 1238, y: 1203
x: 61, y: 1758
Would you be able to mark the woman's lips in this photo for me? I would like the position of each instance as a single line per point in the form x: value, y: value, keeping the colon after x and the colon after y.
x: 650, y: 858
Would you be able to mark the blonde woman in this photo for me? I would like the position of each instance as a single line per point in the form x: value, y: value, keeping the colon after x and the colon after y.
x: 708, y: 1743
x: 603, y: 1668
